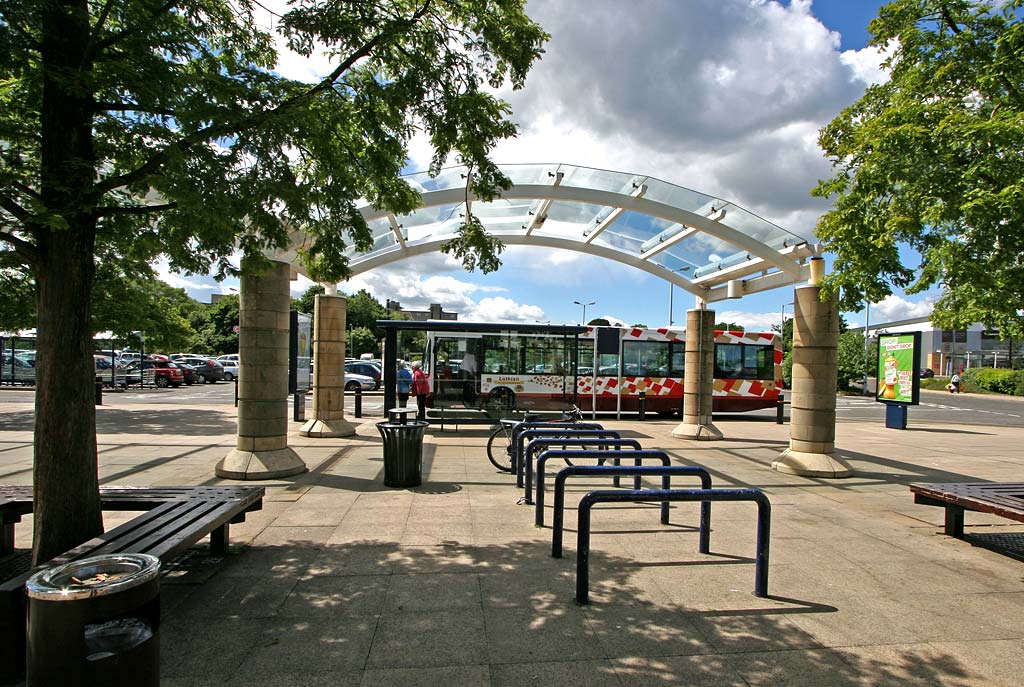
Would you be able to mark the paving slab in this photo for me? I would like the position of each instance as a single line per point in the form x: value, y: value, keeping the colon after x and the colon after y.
x: 342, y: 581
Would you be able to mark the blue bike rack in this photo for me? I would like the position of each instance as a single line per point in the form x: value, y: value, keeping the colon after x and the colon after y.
x: 517, y: 441
x: 764, y: 518
x: 665, y: 471
x: 581, y: 437
x: 606, y: 449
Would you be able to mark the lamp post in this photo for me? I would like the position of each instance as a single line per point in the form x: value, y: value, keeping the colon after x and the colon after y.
x: 142, y: 358
x: 867, y: 342
x: 585, y: 309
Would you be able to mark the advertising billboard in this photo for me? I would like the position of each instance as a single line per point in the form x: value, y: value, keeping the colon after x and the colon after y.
x: 899, y: 359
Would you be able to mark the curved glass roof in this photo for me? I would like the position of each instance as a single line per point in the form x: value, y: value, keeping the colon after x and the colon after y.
x: 697, y: 241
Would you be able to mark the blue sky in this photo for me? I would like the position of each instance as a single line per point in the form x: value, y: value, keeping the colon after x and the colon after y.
x: 721, y: 96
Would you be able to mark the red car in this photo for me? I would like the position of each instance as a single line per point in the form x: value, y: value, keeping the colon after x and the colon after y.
x: 154, y: 371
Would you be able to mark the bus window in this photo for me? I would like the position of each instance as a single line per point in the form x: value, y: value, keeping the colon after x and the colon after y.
x: 744, y: 361
x: 545, y: 355
x: 646, y: 359
x: 502, y: 354
x: 677, y: 362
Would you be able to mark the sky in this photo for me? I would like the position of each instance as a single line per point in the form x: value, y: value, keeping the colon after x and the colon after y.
x: 722, y: 96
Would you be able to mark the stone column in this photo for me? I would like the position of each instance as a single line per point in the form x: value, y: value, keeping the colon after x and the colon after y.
x: 699, y: 378
x: 328, y: 370
x: 812, y: 427
x: 262, y: 450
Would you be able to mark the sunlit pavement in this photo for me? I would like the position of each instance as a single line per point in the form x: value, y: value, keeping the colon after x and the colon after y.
x: 340, y: 581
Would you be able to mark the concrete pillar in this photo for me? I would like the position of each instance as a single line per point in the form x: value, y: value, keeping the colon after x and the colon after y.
x: 262, y: 450
x: 328, y: 370
x: 699, y: 378
x: 812, y: 427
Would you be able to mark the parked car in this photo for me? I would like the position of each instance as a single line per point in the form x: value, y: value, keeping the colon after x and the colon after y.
x: 367, y: 369
x: 233, y: 357
x: 102, y: 366
x: 188, y: 372
x: 927, y: 373
x: 354, y: 382
x: 230, y: 369
x: 16, y: 370
x: 207, y: 369
x: 157, y: 372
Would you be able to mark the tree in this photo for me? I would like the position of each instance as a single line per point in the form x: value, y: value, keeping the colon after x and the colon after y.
x: 599, y: 322
x: 220, y: 333
x: 363, y: 310
x: 729, y: 327
x: 359, y: 340
x: 934, y: 158
x: 152, y: 127
x: 850, y: 359
x: 307, y: 301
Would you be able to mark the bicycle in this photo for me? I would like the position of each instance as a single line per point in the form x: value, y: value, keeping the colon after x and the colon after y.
x: 499, y: 443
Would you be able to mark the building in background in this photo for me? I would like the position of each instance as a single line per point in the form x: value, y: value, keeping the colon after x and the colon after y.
x: 948, y: 350
x: 436, y: 312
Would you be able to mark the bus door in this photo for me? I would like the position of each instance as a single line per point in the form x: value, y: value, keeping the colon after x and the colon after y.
x: 455, y: 372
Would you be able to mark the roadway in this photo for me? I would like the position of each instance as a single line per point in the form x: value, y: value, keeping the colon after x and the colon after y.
x: 935, y: 407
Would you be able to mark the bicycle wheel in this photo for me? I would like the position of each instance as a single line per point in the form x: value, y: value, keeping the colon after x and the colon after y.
x: 499, y: 449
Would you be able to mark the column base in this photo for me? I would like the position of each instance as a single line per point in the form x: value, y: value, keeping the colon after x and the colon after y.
x: 249, y: 465
x: 321, y: 429
x: 706, y: 432
x: 812, y: 464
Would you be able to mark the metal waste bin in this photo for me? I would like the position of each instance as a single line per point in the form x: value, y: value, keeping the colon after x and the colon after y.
x: 403, y: 448
x: 95, y: 621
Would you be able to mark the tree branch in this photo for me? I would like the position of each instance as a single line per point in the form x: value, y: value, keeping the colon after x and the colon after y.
x: 26, y: 189
x: 132, y: 107
x: 9, y: 204
x: 100, y: 21
x: 107, y: 211
x: 121, y: 35
x: 218, y: 130
x: 22, y: 247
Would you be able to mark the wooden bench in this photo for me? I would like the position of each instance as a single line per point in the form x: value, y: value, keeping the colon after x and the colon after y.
x: 1005, y: 499
x: 174, y: 519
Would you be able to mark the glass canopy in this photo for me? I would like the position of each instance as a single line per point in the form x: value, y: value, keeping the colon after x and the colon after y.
x: 697, y: 241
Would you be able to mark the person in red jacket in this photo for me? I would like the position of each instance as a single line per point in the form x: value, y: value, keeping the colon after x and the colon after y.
x: 420, y: 389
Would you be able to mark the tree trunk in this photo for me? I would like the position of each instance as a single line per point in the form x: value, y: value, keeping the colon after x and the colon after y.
x: 65, y: 481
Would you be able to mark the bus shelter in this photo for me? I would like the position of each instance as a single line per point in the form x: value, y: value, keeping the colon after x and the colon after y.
x: 457, y: 353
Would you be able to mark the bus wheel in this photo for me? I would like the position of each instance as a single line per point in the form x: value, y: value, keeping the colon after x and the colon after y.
x: 501, y: 398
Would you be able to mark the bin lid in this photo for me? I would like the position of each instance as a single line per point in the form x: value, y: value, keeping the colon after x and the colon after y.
x: 92, y: 577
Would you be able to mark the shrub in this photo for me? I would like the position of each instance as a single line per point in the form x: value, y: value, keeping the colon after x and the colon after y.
x: 994, y: 381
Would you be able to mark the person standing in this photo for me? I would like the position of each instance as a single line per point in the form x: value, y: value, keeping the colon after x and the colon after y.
x: 420, y: 389
x: 404, y: 384
x: 955, y: 382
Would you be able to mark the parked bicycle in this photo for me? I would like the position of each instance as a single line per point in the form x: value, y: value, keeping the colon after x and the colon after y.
x: 499, y: 444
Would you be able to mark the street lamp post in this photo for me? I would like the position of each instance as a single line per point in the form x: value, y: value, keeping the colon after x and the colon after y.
x: 671, y: 293
x: 585, y: 309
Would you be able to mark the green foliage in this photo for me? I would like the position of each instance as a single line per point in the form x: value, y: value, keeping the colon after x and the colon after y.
x: 307, y: 301
x: 638, y: 326
x: 787, y: 334
x: 934, y: 158
x: 787, y: 369
x: 729, y: 327
x: 994, y: 381
x: 599, y: 322
x: 17, y: 294
x: 217, y: 335
x: 363, y: 311
x: 361, y: 340
x: 850, y: 359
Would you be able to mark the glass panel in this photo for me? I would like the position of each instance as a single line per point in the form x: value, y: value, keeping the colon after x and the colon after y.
x: 545, y: 356
x: 678, y: 362
x: 645, y: 358
x: 586, y: 357
x: 744, y: 361
x: 503, y: 354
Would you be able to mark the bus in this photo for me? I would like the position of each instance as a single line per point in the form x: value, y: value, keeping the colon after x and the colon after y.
x: 605, y: 369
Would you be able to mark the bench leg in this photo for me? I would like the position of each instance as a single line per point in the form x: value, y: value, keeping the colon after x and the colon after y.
x: 7, y: 538
x: 955, y: 521
x: 219, y: 540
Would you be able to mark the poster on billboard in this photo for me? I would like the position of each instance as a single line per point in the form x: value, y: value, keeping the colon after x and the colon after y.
x: 899, y: 358
x: 300, y: 353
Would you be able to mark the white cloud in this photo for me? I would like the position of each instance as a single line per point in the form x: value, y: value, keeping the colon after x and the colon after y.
x: 894, y: 308
x: 751, y: 321
x: 501, y: 309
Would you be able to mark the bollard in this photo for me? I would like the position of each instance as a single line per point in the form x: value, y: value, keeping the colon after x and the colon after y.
x: 299, y: 407
x: 643, y: 406
x: 99, y: 392
x: 780, y: 407
x: 359, y: 402
x: 236, y: 391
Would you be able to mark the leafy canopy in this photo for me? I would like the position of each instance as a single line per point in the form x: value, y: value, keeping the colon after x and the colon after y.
x: 934, y: 158
x: 201, y: 149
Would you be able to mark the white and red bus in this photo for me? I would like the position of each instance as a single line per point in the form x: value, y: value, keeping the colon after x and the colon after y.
x: 602, y: 368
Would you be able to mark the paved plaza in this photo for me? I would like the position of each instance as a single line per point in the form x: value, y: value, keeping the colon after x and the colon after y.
x: 341, y: 581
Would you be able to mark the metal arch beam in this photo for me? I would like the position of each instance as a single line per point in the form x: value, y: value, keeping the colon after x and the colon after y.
x: 395, y: 254
x: 396, y: 229
x: 454, y: 196
x: 613, y: 216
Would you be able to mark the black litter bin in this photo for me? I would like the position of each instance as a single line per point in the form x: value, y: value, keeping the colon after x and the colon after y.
x: 403, y: 449
x: 95, y: 621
